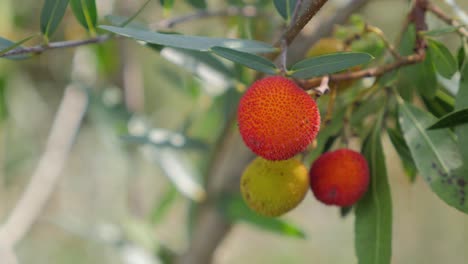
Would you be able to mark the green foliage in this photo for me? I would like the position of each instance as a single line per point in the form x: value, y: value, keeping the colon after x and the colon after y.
x: 250, y: 60
x: 456, y: 118
x: 461, y: 102
x: 327, y: 64
x: 285, y: 8
x: 373, y: 224
x: 191, y: 42
x: 7, y: 45
x: 235, y: 209
x: 86, y: 13
x: 51, y: 15
x: 443, y: 60
x: 435, y: 155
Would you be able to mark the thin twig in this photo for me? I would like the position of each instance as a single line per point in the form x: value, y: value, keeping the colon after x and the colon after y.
x: 56, y: 45
x: 230, y: 159
x: 416, y: 16
x: 294, y: 28
x: 64, y: 129
x: 447, y: 19
x: 387, y: 43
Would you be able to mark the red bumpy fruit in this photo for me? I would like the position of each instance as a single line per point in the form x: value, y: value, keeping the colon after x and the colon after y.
x: 340, y: 177
x: 277, y: 119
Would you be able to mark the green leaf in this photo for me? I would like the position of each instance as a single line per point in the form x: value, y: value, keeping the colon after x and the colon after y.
x: 403, y: 151
x: 455, y: 118
x: 461, y: 55
x: 435, y: 154
x: 216, y: 76
x: 3, y: 99
x: 461, y: 102
x: 247, y: 59
x: 85, y: 12
x: 191, y: 42
x: 51, y: 15
x: 440, y: 105
x: 285, y: 8
x: 163, y: 205
x: 443, y: 60
x: 373, y: 224
x: 6, y: 46
x: 328, y: 64
x: 167, y: 4
x: 426, y: 81
x: 200, y: 4
x: 441, y: 31
x: 235, y: 209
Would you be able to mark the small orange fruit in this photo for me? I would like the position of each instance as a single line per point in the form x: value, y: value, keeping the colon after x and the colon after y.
x: 277, y: 119
x: 272, y: 188
x: 339, y: 177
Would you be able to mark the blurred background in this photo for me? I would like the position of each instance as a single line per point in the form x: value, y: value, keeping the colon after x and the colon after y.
x: 125, y: 194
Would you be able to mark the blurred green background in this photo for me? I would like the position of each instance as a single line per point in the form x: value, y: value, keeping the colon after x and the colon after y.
x: 114, y: 202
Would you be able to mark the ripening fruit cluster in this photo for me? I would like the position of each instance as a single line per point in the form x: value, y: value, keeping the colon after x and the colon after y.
x: 277, y: 120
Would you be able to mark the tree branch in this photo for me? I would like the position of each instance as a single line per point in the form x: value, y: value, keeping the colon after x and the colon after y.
x: 61, y: 137
x: 56, y: 45
x: 447, y: 19
x: 231, y: 157
x: 416, y: 16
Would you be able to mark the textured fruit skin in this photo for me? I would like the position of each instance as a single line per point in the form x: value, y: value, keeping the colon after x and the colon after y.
x: 272, y: 188
x: 277, y: 119
x: 340, y: 177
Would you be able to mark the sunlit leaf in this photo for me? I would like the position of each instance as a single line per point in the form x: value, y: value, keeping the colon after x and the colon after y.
x: 327, y: 64
x: 191, y: 42
x: 373, y: 224
x: 443, y: 60
x: 167, y: 4
x: 85, y: 12
x: 247, y: 59
x: 285, y: 8
x: 435, y: 154
x: 51, y: 15
x: 455, y: 118
x: 235, y: 209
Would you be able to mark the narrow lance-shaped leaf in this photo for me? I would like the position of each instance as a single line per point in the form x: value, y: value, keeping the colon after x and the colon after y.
x: 441, y: 31
x: 403, y: 151
x: 85, y: 12
x: 250, y: 60
x: 461, y: 55
x: 51, y: 15
x: 373, y: 224
x: 191, y: 42
x: 327, y: 64
x: 452, y: 119
x: 435, y: 154
x: 461, y: 101
x: 235, y: 209
x: 444, y: 62
x: 285, y: 8
x: 6, y: 46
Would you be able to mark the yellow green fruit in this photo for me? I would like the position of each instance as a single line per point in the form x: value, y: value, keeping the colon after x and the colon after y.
x: 272, y: 188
